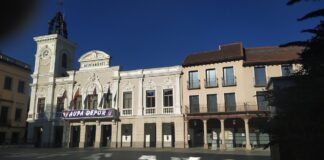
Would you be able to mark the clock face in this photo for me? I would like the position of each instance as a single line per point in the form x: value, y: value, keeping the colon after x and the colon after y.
x: 45, y: 54
x: 45, y: 57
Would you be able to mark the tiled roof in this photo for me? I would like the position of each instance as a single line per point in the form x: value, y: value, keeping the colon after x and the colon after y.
x: 250, y: 56
x: 271, y: 55
x: 15, y: 62
x: 229, y: 52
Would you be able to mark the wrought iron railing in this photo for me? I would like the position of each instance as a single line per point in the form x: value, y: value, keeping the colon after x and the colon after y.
x: 193, y: 84
x: 229, y: 82
x: 242, y: 107
x: 211, y: 83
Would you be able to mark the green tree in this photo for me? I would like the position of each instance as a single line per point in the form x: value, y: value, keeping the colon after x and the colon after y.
x: 298, y: 126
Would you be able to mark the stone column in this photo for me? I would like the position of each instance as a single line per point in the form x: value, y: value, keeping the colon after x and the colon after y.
x: 222, y: 145
x: 82, y: 134
x: 114, y: 134
x: 119, y: 140
x: 186, y: 134
x: 98, y: 135
x: 140, y: 97
x: 205, y: 134
x: 159, y: 134
x: 247, y: 134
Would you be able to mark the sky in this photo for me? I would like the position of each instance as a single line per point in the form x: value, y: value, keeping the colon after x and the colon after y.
x: 157, y: 33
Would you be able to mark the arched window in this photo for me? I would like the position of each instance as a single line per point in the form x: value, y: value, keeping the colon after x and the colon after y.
x: 64, y: 60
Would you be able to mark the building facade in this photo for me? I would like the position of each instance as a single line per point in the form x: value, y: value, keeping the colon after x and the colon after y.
x: 214, y: 100
x: 99, y: 105
x: 14, y: 99
x: 223, y: 94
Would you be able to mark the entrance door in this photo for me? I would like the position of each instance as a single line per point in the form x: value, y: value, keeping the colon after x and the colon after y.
x: 105, y: 135
x: 38, y: 132
x: 58, y: 136
x: 168, y: 134
x: 75, y: 136
x: 149, y: 135
x: 127, y: 130
x: 90, y: 135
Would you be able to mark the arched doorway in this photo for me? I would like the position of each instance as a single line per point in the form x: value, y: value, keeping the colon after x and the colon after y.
x: 258, y: 138
x: 213, y: 133
x: 196, y: 133
x: 234, y: 133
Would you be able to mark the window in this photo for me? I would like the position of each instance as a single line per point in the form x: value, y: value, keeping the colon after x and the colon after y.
x: 167, y: 98
x: 60, y: 104
x: 211, y: 102
x: 14, y: 137
x: 8, y: 83
x: 230, y: 103
x: 18, y: 114
x: 78, y: 102
x: 64, y: 60
x: 107, y: 100
x: 211, y: 78
x: 262, y: 101
x: 21, y: 87
x: 127, y: 101
x: 193, y: 80
x: 260, y: 76
x: 194, y: 104
x: 41, y: 105
x: 150, y: 98
x: 286, y: 69
x: 4, y: 115
x: 228, y: 76
x: 92, y: 101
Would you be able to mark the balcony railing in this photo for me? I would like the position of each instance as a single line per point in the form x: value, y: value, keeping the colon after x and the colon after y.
x: 167, y: 110
x: 229, y: 82
x: 127, y: 112
x: 193, y: 84
x: 211, y: 83
x: 149, y: 111
x: 245, y: 107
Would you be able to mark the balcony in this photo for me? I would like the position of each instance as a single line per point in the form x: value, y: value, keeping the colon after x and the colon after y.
x: 193, y: 84
x: 127, y: 112
x: 221, y: 108
x: 149, y: 111
x: 167, y: 110
x: 211, y: 83
x: 229, y: 82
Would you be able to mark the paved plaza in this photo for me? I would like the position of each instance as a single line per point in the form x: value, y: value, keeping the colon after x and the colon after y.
x: 128, y: 154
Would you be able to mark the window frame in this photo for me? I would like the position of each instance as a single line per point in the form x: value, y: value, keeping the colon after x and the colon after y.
x: 208, y: 82
x: 193, y: 108
x: 193, y: 83
x: 228, y: 107
x: 256, y: 78
x: 129, y: 100
x: 150, y: 101
x: 41, y: 106
x: 7, y: 86
x: 167, y: 98
x: 230, y: 82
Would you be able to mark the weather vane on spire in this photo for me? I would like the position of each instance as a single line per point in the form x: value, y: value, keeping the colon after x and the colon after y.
x: 57, y: 24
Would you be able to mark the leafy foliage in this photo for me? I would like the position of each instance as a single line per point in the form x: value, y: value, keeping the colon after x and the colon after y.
x: 297, y: 128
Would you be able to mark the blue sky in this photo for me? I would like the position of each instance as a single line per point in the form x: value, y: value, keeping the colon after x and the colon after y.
x: 157, y: 33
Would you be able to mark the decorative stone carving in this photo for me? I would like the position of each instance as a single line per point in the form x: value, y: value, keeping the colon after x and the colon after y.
x: 41, y: 92
x: 93, y: 83
x: 60, y: 91
x: 128, y: 86
x: 150, y: 85
x: 167, y: 83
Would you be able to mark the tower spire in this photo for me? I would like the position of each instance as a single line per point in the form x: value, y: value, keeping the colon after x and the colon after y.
x: 57, y: 24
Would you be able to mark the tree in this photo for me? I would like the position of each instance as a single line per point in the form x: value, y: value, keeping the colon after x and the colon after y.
x: 298, y: 126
